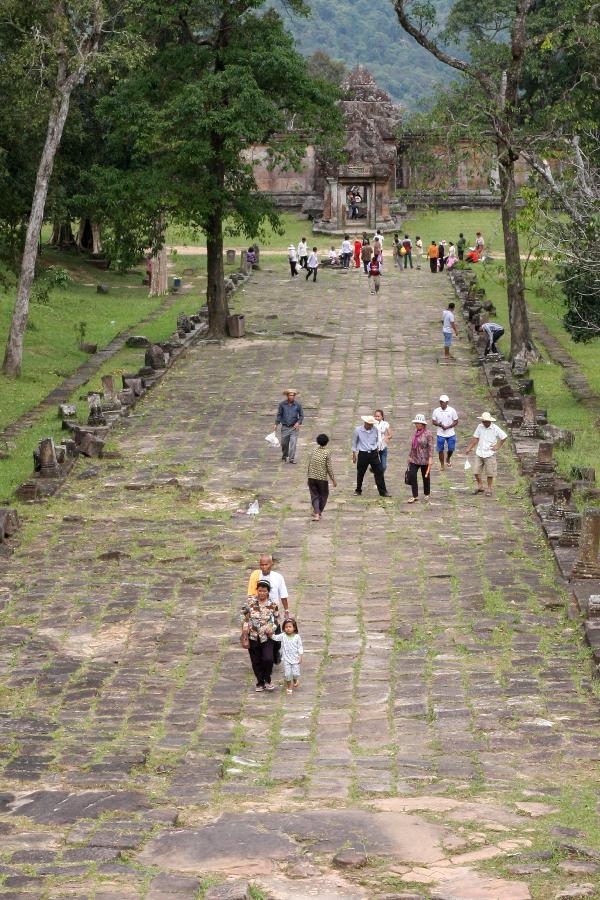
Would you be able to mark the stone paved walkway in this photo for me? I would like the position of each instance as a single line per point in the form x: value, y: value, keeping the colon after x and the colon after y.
x: 446, y: 725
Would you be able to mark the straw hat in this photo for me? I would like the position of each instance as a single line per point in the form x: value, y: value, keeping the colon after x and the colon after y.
x: 290, y: 391
x: 486, y: 417
x: 419, y: 419
x: 370, y: 420
x: 444, y: 398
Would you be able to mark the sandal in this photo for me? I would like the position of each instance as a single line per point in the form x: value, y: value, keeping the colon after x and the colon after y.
x: 412, y: 500
x: 259, y: 688
x: 479, y: 491
x: 289, y: 691
x: 269, y: 687
x: 488, y: 493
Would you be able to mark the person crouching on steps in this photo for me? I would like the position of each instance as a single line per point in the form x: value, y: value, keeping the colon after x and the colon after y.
x: 291, y: 653
x: 312, y: 265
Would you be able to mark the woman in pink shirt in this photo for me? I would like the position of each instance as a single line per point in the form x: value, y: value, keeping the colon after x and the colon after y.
x: 420, y: 457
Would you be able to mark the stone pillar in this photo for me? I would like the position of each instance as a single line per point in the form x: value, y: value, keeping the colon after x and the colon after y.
x: 561, y: 499
x: 47, y: 459
x: 572, y: 531
x: 529, y: 409
x: 244, y: 262
x: 369, y: 206
x: 230, y: 256
x: 593, y: 606
x: 544, y: 462
x: 588, y: 564
x: 109, y: 388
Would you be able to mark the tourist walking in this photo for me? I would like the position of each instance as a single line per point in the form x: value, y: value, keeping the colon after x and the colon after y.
x: 460, y: 246
x: 419, y: 250
x: 479, y: 244
x: 487, y: 438
x: 290, y: 416
x: 407, y: 244
x: 433, y: 254
x: 303, y: 253
x: 449, y: 328
x: 493, y: 333
x: 357, y: 249
x: 375, y: 274
x: 385, y: 436
x: 441, y: 255
x: 278, y: 591
x: 346, y: 251
x: 365, y: 453
x: 378, y: 237
x: 365, y: 254
x: 312, y: 265
x: 293, y: 260
x: 377, y: 245
x: 260, y: 619
x: 420, y: 457
x: 445, y: 418
x: 319, y: 473
x: 292, y: 652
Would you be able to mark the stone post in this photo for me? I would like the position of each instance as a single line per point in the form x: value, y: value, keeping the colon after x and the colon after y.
x: 230, y: 256
x: 544, y: 462
x: 572, y: 531
x: 587, y: 564
x: 594, y: 606
x: 529, y: 409
x: 47, y: 459
x: 244, y: 262
x: 560, y: 500
x: 109, y: 389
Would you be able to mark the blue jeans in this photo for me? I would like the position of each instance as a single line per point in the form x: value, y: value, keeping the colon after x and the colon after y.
x: 383, y: 458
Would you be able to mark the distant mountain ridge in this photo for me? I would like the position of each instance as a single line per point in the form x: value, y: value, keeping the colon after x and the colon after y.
x: 361, y: 31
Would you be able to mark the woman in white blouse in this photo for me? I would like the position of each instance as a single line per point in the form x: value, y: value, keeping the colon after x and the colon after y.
x: 385, y: 434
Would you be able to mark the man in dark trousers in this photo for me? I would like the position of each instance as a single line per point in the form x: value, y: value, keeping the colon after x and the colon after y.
x: 365, y: 453
x: 290, y: 416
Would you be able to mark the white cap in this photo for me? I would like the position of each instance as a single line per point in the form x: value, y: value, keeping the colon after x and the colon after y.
x: 444, y: 398
x: 419, y: 419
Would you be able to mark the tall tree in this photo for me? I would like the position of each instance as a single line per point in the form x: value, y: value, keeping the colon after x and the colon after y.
x: 60, y: 41
x: 499, y: 38
x: 225, y: 76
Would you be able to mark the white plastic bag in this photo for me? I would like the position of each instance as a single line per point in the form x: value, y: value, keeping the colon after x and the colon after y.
x: 467, y: 465
x: 253, y: 509
x: 273, y: 440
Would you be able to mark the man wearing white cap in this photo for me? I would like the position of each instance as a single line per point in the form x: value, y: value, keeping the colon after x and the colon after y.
x: 445, y: 418
x: 365, y: 453
x: 293, y: 260
x: 488, y: 438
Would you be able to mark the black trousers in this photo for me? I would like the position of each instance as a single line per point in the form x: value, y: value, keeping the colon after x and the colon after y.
x: 303, y: 261
x: 293, y: 269
x: 262, y: 658
x: 312, y: 272
x: 491, y: 344
x: 319, y: 493
x: 365, y: 459
x: 433, y: 264
x: 414, y: 471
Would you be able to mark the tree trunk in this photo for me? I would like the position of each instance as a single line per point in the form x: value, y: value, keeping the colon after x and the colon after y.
x: 13, y: 356
x: 521, y: 342
x: 96, y: 239
x: 84, y: 234
x: 216, y: 298
x: 62, y: 235
x: 159, y: 281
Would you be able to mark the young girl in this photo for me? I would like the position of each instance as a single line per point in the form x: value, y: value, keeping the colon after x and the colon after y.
x: 291, y: 653
x: 419, y: 250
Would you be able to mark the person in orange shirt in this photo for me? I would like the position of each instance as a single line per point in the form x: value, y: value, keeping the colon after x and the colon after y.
x: 357, y: 249
x: 278, y: 590
x: 433, y: 253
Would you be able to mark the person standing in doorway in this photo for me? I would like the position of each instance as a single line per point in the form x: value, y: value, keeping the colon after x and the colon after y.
x: 346, y: 251
x: 365, y: 254
x: 319, y: 473
x: 385, y: 436
x: 420, y: 457
x: 432, y: 253
x: 419, y: 250
x: 488, y: 438
x: 449, y: 328
x: 312, y: 265
x: 460, y: 246
x: 445, y: 418
x: 407, y: 244
x: 290, y: 416
x: 303, y: 253
x: 365, y: 453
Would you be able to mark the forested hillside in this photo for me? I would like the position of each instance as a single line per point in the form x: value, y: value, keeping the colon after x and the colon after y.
x: 359, y: 31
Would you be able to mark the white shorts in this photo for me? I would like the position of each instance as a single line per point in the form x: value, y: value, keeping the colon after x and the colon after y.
x: 291, y: 670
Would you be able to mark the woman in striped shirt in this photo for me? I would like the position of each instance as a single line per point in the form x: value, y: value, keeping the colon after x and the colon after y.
x: 320, y: 470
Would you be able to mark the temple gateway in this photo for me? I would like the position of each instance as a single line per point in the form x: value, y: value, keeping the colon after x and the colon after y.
x: 369, y: 171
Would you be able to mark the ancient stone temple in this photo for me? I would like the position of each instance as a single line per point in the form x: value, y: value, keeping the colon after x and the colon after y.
x: 372, y: 122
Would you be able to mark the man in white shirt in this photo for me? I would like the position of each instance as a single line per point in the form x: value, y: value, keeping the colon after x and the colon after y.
x: 488, y: 438
x: 346, y: 251
x: 303, y: 253
x: 448, y: 328
x: 277, y: 591
x: 445, y: 418
x: 378, y: 237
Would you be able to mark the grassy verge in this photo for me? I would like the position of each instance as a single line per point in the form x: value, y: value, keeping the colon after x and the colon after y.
x: 552, y: 393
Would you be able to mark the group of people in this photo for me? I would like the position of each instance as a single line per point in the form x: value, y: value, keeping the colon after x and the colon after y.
x: 301, y: 257
x: 442, y: 255
x: 492, y: 331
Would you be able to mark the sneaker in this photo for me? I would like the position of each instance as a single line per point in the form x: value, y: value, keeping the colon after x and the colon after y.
x: 358, y: 493
x: 269, y: 687
x: 387, y: 494
x: 259, y: 688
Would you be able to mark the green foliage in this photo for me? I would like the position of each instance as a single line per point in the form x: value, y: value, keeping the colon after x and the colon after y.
x: 51, y: 278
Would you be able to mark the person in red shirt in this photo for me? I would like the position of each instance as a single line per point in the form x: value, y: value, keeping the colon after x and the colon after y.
x: 357, y: 249
x: 375, y: 274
